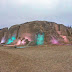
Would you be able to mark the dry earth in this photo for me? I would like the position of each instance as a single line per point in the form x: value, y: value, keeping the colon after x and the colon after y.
x: 36, y: 59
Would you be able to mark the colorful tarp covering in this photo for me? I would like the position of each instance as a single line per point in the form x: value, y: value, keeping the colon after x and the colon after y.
x: 40, y: 39
x: 54, y: 41
x: 10, y: 40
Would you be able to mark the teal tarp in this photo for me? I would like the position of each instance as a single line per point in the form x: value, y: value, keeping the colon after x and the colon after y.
x: 10, y: 40
x: 40, y: 39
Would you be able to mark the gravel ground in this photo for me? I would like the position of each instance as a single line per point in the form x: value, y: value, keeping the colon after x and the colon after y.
x: 45, y: 58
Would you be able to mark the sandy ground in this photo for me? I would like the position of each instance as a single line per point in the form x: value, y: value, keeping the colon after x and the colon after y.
x: 36, y: 59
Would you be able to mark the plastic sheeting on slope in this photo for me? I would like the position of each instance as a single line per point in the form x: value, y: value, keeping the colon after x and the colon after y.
x: 10, y: 40
x: 40, y: 39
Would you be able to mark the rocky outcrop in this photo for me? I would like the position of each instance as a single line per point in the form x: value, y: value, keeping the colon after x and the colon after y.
x: 13, y: 30
x: 58, y: 32
x: 3, y: 35
x: 64, y: 32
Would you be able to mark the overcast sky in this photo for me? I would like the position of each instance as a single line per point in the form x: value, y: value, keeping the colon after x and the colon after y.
x: 20, y: 11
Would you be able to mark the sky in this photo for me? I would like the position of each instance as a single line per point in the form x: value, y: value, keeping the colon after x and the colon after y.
x: 20, y: 11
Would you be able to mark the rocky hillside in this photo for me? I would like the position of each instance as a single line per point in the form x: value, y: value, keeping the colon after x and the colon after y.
x: 53, y: 31
x: 4, y: 35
